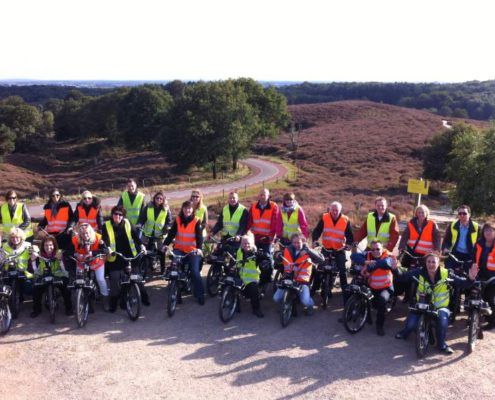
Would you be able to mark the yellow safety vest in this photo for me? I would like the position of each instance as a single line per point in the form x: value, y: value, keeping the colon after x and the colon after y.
x: 9, y: 223
x: 383, y: 234
x: 290, y: 225
x: 231, y: 222
x: 111, y: 238
x: 154, y: 227
x: 132, y: 209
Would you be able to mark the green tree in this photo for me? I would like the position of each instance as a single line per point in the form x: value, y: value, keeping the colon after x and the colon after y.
x: 7, y: 141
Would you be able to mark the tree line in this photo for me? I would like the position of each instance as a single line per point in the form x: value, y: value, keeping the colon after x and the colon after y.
x: 193, y: 124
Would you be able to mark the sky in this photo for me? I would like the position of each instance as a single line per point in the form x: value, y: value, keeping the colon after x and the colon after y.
x: 267, y: 40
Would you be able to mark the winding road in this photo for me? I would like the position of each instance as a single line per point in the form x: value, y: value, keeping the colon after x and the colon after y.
x: 261, y: 171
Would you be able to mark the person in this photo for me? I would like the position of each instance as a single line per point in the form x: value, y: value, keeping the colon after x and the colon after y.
x: 155, y: 221
x: 188, y: 234
x: 249, y: 273
x: 432, y: 280
x: 296, y: 259
x: 262, y: 222
x: 336, y: 232
x: 379, y: 264
x: 233, y: 221
x: 200, y: 209
x: 484, y: 257
x: 132, y: 200
x: 421, y: 236
x: 17, y: 245
x: 460, y: 238
x: 15, y: 214
x: 121, y: 236
x: 58, y: 219
x: 87, y: 243
x: 88, y: 211
x: 380, y: 224
x: 49, y: 251
x: 293, y: 220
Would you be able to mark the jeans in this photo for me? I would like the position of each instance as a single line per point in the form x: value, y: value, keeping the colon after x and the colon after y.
x: 304, y: 296
x: 194, y: 261
x: 442, y: 324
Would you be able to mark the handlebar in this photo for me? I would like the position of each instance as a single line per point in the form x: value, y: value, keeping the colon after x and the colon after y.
x: 116, y: 253
x: 411, y: 255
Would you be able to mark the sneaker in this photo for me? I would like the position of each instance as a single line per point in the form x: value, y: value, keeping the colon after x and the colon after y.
x: 258, y: 313
x: 447, y: 350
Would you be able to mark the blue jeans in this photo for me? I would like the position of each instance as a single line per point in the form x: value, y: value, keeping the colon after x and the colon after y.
x: 194, y: 262
x: 442, y: 324
x: 304, y: 296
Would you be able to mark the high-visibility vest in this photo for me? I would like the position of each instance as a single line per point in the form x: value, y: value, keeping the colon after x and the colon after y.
x: 455, y: 233
x: 87, y: 218
x: 56, y: 266
x: 440, y: 292
x: 153, y: 227
x: 490, y: 261
x: 9, y: 223
x: 185, y: 238
x: 334, y: 234
x: 380, y: 278
x: 132, y: 209
x: 111, y: 238
x: 302, y: 268
x: 58, y: 222
x: 231, y: 222
x: 95, y: 246
x: 262, y: 219
x: 290, y: 224
x: 249, y: 271
x: 199, y: 214
x: 22, y: 260
x: 383, y: 234
x: 425, y: 243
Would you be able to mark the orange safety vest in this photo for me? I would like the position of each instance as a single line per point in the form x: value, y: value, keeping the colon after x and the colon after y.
x: 380, y: 278
x: 425, y: 242
x: 334, y: 234
x: 490, y: 261
x: 185, y: 239
x: 79, y: 249
x: 58, y: 222
x: 262, y: 219
x: 87, y: 218
x: 302, y: 269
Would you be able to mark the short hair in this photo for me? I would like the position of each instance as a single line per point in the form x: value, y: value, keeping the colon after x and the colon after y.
x: 10, y: 193
x: 375, y: 241
x: 297, y: 235
x: 434, y: 255
x: 289, y: 196
x: 380, y: 198
x: 337, y: 204
x: 131, y: 180
x: 464, y: 207
x: 118, y: 209
x: 15, y: 231
x: 425, y: 209
x: 187, y: 204
x: 249, y: 237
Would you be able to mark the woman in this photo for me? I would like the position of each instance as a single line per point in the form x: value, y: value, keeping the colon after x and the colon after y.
x: 293, y: 219
x: 58, y: 219
x: 88, y: 211
x: 188, y: 235
x: 155, y: 221
x: 120, y: 236
x: 485, y: 261
x: 15, y: 214
x: 200, y: 209
x: 50, y: 251
x: 88, y: 243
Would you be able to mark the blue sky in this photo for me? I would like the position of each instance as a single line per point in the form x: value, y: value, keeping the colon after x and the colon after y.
x: 374, y: 40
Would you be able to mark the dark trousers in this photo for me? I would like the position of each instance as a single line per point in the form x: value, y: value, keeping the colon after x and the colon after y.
x: 251, y: 292
x: 489, y: 297
x: 38, y: 294
x: 380, y: 300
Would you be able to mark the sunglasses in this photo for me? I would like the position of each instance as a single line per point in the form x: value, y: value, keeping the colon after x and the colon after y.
x: 194, y: 197
x: 376, y: 249
x: 56, y: 195
x: 158, y: 198
x: 118, y: 214
x: 88, y: 198
x: 462, y: 213
x: 11, y: 198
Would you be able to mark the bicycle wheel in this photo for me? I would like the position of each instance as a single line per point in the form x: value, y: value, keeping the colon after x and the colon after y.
x: 82, y: 307
x: 422, y: 336
x: 172, y: 298
x: 133, y: 301
x: 285, y: 309
x: 355, y: 313
x: 473, y: 328
x: 5, y: 317
x: 15, y: 299
x: 51, y: 303
x: 228, y: 304
x: 213, y: 279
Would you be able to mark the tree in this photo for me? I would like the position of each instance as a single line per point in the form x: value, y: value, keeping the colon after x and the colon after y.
x: 25, y: 120
x: 7, y: 141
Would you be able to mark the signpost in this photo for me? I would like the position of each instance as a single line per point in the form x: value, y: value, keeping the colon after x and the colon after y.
x: 418, y: 186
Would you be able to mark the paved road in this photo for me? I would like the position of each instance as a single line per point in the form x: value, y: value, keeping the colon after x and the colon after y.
x: 261, y: 170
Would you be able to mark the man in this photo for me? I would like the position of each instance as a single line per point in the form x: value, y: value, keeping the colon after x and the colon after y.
x: 132, y: 200
x: 262, y: 222
x: 335, y: 230
x: 381, y: 225
x: 460, y: 237
x: 233, y: 220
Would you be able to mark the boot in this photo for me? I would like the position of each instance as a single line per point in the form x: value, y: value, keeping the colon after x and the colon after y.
x: 106, y: 303
x: 113, y: 300
x: 145, y: 298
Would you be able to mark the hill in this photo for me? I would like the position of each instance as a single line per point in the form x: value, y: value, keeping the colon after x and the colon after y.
x: 354, y: 151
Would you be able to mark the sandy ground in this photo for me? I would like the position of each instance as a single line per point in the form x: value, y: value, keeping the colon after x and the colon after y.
x: 194, y: 355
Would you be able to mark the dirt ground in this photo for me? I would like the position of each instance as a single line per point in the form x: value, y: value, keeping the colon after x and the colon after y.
x: 194, y: 355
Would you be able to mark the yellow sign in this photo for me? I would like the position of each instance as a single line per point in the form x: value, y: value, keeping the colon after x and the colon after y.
x: 418, y: 186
